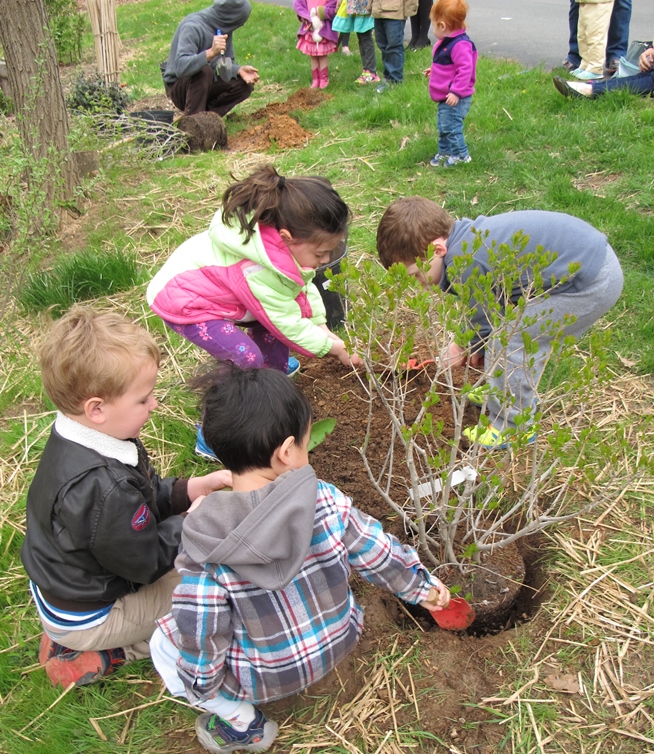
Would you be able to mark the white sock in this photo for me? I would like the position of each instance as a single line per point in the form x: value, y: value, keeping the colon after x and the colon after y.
x: 242, y: 716
x: 580, y: 87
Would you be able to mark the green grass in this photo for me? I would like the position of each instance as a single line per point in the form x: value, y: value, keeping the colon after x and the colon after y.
x: 531, y: 149
x: 80, y: 277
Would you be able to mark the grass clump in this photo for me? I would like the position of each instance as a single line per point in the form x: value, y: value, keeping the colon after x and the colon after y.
x: 83, y: 276
x: 6, y: 104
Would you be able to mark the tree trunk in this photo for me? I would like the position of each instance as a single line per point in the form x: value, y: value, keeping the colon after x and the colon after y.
x: 39, y: 100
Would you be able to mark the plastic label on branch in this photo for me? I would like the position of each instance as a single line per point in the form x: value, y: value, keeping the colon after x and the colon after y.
x: 465, y: 474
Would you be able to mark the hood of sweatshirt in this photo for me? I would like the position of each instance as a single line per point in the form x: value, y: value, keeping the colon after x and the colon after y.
x: 263, y: 535
x: 226, y: 15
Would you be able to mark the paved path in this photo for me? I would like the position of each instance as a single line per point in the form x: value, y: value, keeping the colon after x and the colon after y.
x: 534, y: 32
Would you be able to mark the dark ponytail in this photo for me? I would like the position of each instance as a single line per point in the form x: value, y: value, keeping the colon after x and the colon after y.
x: 305, y: 206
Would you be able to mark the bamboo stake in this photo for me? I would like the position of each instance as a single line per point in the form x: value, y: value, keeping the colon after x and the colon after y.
x: 102, y: 14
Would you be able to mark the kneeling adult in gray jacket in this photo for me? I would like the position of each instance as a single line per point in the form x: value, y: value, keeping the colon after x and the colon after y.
x: 201, y: 74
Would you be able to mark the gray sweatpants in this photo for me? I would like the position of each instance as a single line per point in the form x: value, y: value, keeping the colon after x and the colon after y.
x: 519, y: 372
x: 367, y: 51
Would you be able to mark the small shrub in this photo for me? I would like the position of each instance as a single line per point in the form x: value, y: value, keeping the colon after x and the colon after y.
x: 80, y: 277
x: 459, y: 501
x: 67, y: 26
x: 92, y: 94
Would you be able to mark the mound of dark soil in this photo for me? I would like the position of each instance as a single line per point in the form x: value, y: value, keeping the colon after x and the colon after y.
x: 280, y: 131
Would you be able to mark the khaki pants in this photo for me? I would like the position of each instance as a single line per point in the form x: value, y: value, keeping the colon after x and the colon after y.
x: 130, y: 623
x: 592, y: 33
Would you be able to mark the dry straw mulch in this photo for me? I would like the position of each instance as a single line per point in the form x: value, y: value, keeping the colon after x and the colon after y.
x: 601, y: 612
x: 595, y: 663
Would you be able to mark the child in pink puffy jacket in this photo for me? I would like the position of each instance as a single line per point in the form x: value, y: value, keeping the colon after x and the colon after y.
x: 316, y: 38
x: 243, y: 290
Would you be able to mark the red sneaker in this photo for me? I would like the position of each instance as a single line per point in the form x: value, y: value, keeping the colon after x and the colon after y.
x: 83, y: 668
x: 50, y: 649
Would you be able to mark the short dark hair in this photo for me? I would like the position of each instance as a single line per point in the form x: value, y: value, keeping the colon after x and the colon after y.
x: 248, y: 413
x: 407, y: 228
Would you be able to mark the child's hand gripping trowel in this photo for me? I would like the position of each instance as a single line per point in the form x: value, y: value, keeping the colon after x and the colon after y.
x: 457, y: 616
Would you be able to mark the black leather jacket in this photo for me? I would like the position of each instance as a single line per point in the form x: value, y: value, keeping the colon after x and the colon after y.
x: 97, y: 528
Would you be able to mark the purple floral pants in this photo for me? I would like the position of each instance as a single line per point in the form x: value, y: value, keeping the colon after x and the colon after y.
x: 251, y: 347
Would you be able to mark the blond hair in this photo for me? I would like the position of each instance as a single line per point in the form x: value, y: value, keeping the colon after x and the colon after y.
x: 407, y: 228
x: 89, y: 354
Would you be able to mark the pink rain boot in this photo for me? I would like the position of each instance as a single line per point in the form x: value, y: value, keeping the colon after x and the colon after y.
x: 315, y: 78
x: 323, y: 78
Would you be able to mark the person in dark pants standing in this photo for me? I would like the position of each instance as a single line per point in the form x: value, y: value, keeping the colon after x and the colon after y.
x: 617, y: 42
x: 390, y: 18
x: 201, y: 74
x: 420, y: 25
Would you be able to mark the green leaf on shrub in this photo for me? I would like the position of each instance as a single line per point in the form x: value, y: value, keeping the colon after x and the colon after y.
x: 320, y: 430
x: 470, y: 550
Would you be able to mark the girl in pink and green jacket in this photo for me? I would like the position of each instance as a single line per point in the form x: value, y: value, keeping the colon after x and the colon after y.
x: 243, y: 290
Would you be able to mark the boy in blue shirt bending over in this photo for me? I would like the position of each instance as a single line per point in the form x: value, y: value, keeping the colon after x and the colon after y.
x: 410, y: 225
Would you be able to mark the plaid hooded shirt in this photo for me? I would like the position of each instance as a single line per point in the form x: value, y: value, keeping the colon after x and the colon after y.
x: 261, y: 644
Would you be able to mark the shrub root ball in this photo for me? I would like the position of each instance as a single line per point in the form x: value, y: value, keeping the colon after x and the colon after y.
x: 205, y: 131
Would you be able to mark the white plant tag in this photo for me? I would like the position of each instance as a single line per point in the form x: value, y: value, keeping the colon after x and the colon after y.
x: 467, y: 473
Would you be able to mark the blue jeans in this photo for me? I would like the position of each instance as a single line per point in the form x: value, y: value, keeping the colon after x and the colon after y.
x: 618, y: 39
x: 640, y: 83
x: 449, y: 121
x: 389, y: 34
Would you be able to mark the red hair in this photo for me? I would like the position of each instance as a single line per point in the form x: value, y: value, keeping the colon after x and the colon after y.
x: 450, y: 12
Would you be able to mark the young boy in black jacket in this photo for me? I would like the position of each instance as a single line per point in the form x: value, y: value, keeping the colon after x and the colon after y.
x: 103, y: 528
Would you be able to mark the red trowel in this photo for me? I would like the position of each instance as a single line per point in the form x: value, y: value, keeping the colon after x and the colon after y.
x: 457, y: 616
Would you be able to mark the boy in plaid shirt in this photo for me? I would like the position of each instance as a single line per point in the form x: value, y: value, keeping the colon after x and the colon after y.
x: 264, y: 608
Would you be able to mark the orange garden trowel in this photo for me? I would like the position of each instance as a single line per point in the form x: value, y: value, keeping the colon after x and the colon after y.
x: 457, y: 616
x: 413, y: 365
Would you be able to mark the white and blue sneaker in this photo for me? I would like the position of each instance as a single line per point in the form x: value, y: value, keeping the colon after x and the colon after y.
x: 583, y: 75
x: 292, y: 367
x: 217, y: 735
x: 437, y: 159
x: 455, y: 160
x: 201, y: 447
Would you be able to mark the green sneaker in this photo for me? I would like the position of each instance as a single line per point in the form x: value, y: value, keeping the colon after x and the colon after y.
x: 491, y: 438
x: 477, y: 394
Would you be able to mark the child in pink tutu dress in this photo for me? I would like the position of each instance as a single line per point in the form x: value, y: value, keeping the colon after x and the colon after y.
x: 316, y: 37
